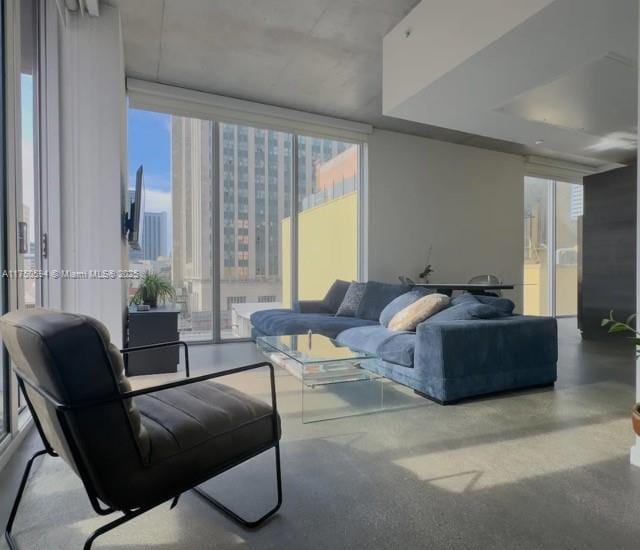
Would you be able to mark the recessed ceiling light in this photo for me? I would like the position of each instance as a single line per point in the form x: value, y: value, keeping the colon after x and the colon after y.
x: 539, y: 141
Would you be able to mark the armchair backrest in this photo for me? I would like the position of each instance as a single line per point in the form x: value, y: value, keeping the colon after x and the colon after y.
x: 70, y: 357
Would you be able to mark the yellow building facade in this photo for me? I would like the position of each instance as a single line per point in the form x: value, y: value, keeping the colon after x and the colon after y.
x: 327, y: 247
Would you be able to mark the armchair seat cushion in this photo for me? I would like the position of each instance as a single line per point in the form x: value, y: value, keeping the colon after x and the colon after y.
x: 207, y: 415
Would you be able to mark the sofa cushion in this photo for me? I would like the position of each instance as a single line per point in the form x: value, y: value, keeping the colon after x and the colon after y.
x: 275, y: 322
x: 402, y: 301
x: 466, y: 311
x: 393, y: 347
x: 504, y: 305
x: 352, y: 299
x: 411, y: 316
x: 331, y: 302
x: 376, y: 297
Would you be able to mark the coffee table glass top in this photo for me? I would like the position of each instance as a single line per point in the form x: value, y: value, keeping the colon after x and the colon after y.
x: 314, y: 348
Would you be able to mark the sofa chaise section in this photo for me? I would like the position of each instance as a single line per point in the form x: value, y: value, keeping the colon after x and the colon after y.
x: 276, y: 322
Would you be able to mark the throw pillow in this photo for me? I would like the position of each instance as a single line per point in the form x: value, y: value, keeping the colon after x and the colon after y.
x: 504, y: 305
x: 351, y: 301
x: 376, y: 297
x: 466, y: 311
x: 331, y: 302
x: 401, y: 302
x: 411, y: 316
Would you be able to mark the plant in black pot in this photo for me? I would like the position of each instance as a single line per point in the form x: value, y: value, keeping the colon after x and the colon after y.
x: 619, y: 326
x: 153, y: 288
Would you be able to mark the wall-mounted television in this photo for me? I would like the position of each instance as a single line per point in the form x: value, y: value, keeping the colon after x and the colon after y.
x: 136, y: 213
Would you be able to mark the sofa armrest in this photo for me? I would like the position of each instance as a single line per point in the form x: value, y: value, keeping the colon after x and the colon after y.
x: 310, y: 306
x: 467, y: 349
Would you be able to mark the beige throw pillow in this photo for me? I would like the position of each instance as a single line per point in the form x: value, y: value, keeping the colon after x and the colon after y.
x: 409, y: 317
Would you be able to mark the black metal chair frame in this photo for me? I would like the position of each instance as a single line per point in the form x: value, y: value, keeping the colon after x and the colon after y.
x: 127, y: 515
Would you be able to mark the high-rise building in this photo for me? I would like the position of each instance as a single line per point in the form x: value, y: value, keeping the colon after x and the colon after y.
x: 191, y: 203
x: 254, y: 197
x: 154, y: 235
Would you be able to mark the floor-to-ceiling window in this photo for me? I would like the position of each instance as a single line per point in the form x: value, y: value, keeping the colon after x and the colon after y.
x: 552, y: 212
x: 328, y: 183
x: 20, y: 249
x: 254, y: 200
x: 568, y: 206
x: 219, y: 219
x: 177, y: 155
x: 28, y: 186
x: 4, y: 371
x: 536, y: 291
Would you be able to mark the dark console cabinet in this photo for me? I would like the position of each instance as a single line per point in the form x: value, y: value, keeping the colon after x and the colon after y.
x: 152, y: 327
x: 607, y: 279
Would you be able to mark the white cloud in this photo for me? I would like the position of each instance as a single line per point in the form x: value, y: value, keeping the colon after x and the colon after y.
x: 157, y: 201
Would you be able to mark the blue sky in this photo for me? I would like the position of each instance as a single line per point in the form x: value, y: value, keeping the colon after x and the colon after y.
x: 26, y: 91
x: 149, y: 143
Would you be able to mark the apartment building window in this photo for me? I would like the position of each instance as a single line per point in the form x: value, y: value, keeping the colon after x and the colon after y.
x: 266, y: 299
x: 231, y: 300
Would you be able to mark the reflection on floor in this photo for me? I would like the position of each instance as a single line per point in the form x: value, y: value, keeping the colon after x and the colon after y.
x: 529, y: 470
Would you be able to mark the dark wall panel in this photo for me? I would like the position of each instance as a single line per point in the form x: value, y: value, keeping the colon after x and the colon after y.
x: 608, y: 270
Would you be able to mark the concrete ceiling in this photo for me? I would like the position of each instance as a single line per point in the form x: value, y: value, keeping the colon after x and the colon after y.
x: 320, y: 56
x: 559, y: 77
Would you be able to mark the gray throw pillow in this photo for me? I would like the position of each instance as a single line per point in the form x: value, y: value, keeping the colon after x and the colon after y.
x: 335, y: 295
x: 351, y: 301
x: 376, y: 297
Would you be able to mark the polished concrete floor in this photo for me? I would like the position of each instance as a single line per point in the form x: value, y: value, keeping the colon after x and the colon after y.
x: 530, y: 470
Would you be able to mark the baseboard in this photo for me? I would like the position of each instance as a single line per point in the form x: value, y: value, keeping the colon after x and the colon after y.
x: 635, y: 453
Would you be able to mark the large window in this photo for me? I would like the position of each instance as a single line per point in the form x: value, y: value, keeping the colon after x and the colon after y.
x: 328, y: 183
x: 552, y: 213
x: 255, y: 198
x: 27, y: 187
x: 177, y: 155
x: 537, y: 291
x: 219, y: 217
x: 4, y: 378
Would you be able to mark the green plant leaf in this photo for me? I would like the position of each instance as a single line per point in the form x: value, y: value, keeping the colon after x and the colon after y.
x: 605, y: 322
x: 619, y: 327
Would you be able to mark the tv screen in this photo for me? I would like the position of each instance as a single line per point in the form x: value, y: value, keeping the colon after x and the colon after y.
x: 136, y: 212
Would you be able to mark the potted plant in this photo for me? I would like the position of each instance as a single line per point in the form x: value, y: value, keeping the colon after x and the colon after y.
x: 428, y: 270
x: 618, y: 326
x: 151, y: 289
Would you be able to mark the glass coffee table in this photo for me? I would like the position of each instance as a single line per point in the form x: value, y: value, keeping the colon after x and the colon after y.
x: 335, y: 382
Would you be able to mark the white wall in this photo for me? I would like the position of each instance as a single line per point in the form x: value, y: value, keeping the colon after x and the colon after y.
x: 466, y: 202
x: 92, y: 115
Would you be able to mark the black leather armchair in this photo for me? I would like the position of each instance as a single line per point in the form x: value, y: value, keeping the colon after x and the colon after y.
x: 133, y: 450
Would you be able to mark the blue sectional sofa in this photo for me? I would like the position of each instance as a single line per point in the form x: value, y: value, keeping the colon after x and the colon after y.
x: 476, y: 346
